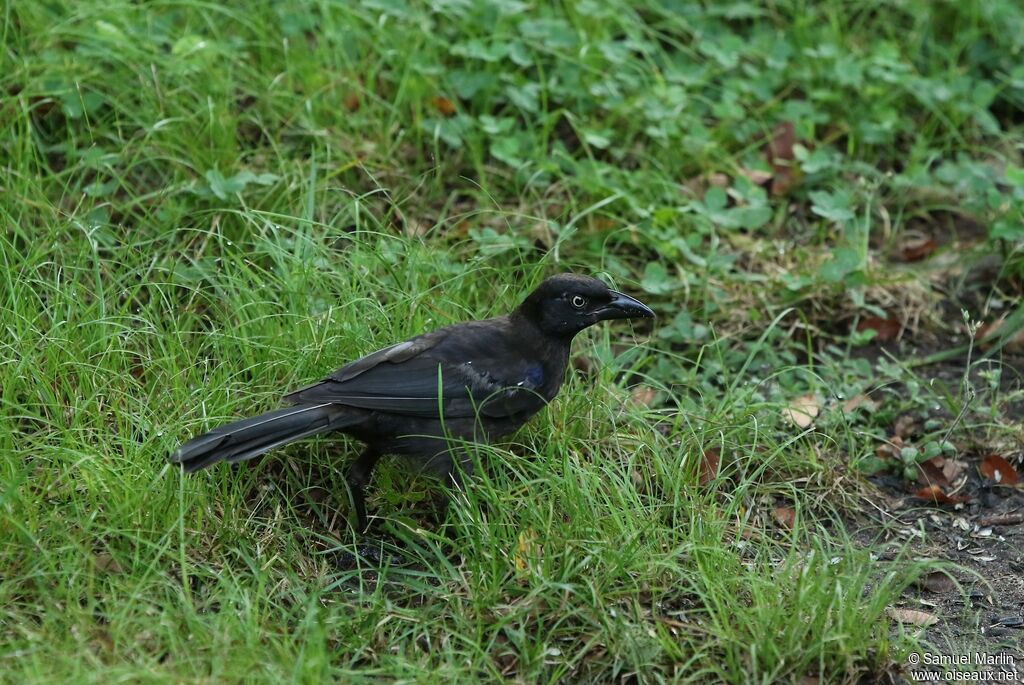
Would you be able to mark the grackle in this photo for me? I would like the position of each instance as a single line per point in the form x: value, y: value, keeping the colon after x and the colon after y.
x: 474, y: 381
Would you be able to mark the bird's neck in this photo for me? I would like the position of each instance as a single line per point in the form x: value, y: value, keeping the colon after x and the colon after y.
x: 529, y: 321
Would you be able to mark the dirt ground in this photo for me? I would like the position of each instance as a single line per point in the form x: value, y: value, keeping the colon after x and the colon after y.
x: 974, y: 601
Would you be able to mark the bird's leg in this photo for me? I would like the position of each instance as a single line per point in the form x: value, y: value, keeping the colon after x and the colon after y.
x: 358, y: 477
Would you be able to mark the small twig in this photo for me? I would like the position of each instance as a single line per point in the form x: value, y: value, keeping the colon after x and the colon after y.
x: 1001, y: 520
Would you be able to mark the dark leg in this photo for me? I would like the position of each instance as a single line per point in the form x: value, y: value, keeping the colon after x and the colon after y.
x: 358, y: 478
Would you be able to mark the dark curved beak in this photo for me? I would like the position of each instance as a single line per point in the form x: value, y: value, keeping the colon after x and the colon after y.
x: 623, y: 306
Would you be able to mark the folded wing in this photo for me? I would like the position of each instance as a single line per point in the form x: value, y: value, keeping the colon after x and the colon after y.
x: 438, y: 374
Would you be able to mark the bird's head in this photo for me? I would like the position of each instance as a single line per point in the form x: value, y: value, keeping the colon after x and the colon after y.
x: 565, y: 304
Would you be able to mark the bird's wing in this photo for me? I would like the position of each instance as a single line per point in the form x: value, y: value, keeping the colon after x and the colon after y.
x: 462, y: 371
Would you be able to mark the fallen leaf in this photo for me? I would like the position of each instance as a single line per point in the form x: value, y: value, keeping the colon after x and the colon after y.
x: 996, y: 468
x: 785, y: 517
x: 351, y: 102
x: 748, y: 533
x: 952, y: 469
x: 756, y: 176
x: 936, y: 582
x: 107, y: 563
x: 890, y: 449
x: 905, y: 426
x: 781, y: 157
x: 697, y: 186
x: 802, y: 411
x: 414, y: 228
x: 916, y: 249
x: 444, y: 106
x: 859, y: 401
x: 637, y: 478
x: 643, y: 395
x: 914, y: 617
x: 935, y: 493
x: 885, y: 330
x: 709, y: 465
x: 718, y: 180
x: 930, y: 473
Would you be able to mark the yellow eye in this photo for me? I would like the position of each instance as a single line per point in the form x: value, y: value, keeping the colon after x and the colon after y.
x: 578, y: 301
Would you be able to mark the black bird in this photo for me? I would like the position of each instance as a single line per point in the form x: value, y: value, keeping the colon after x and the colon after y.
x: 475, y: 381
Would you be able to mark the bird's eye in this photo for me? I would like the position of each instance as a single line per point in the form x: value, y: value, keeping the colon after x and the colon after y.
x: 578, y: 301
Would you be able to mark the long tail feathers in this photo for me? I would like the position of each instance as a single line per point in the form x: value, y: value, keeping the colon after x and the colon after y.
x: 249, y: 438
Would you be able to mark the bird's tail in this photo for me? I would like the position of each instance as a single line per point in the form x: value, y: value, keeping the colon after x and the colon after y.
x: 252, y: 437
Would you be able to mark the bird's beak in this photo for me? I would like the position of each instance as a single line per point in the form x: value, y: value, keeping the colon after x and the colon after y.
x: 623, y: 306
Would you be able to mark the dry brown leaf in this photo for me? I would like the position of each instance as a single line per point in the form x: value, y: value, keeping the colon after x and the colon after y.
x: 717, y: 180
x: 890, y: 449
x: 107, y: 563
x: 709, y: 463
x: 785, y: 517
x: 782, y: 158
x: 414, y: 228
x: 603, y: 223
x: 930, y: 473
x: 697, y: 186
x: 351, y: 102
x: 637, y: 478
x: 756, y: 176
x: 914, y: 617
x: 859, y: 401
x: 802, y: 411
x: 952, y: 469
x: 885, y: 330
x: 935, y: 493
x: 643, y: 395
x: 906, y: 426
x: 444, y: 106
x: 916, y: 249
x: 996, y: 468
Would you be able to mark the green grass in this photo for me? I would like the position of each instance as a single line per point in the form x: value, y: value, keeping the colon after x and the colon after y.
x: 205, y: 205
